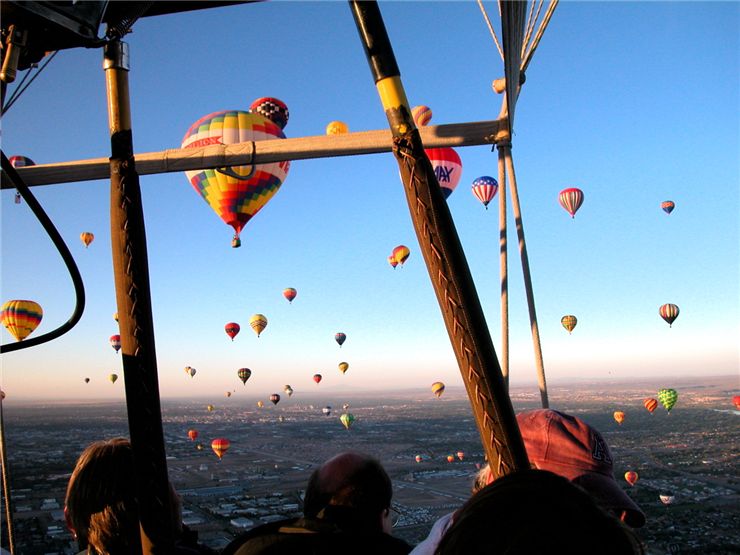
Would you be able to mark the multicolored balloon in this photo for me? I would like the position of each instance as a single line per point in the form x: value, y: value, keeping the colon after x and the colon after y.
x: 210, y: 408
x: 260, y: 404
x: 571, y: 199
x: 86, y: 237
x: 337, y: 128
x: 317, y: 378
x: 326, y: 410
x: 115, y: 342
x: 667, y: 206
x: 21, y: 161
x: 650, y: 404
x: 669, y: 312
x: 400, y: 254
x: 220, y: 446
x: 484, y: 189
x: 275, y: 398
x: 21, y: 317
x: 619, y: 416
x: 736, y: 401
x: 288, y: 390
x: 190, y: 371
x: 343, y: 367
x: 273, y: 109
x: 392, y: 261
x: 244, y: 374
x: 418, y: 458
x: 340, y: 338
x: 631, y: 477
x: 460, y: 455
x: 290, y: 294
x: 668, y: 398
x: 666, y: 498
x: 569, y: 322
x: 258, y: 323
x: 438, y: 388
x: 422, y: 115
x: 113, y: 378
x: 450, y: 458
x: 447, y: 167
x: 235, y: 193
x: 347, y: 419
x: 193, y: 434
x: 232, y: 329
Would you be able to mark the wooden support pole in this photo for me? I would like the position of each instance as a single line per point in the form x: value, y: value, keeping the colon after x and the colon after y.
x: 131, y: 274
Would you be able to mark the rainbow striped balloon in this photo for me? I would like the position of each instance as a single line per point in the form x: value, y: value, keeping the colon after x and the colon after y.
x: 650, y: 404
x: 21, y: 317
x: 669, y: 312
x: 422, y: 115
x: 571, y: 199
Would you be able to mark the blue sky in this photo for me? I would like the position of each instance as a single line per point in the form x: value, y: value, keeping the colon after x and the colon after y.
x: 634, y: 103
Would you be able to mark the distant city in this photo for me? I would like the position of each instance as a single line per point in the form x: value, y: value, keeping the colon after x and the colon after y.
x: 690, y: 454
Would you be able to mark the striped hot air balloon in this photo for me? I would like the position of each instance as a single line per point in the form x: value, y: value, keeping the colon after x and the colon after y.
x: 347, y: 419
x: 21, y: 317
x: 484, y: 189
x: 668, y: 398
x: 401, y: 254
x: 438, y: 388
x: 220, y: 446
x: 275, y: 398
x: 340, y: 338
x: 667, y: 206
x: 669, y: 312
x: 193, y: 434
x: 631, y: 477
x: 258, y: 323
x: 571, y: 199
x: 115, y: 342
x: 244, y: 374
x: 619, y: 417
x: 392, y: 261
x: 447, y: 167
x: 86, y: 237
x: 569, y: 322
x: 422, y: 115
x: 650, y: 404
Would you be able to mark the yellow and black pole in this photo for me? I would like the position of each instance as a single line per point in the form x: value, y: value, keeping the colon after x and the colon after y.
x: 133, y: 297
x: 444, y: 257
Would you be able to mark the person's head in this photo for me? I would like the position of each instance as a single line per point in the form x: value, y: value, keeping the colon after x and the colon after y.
x: 569, y: 447
x: 533, y: 512
x: 352, y: 481
x: 100, y: 506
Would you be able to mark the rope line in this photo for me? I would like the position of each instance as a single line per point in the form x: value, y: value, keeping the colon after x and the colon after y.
x: 536, y: 41
x: 490, y: 28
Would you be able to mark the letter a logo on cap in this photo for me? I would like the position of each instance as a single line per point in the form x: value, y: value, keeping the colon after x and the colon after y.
x: 600, y: 451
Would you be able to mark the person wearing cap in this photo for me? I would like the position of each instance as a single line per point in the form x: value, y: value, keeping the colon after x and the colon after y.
x: 567, y: 446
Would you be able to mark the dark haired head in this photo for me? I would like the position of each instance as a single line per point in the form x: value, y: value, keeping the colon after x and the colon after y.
x: 533, y: 512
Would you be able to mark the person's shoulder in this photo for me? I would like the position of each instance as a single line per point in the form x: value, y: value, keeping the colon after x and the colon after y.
x: 254, y: 541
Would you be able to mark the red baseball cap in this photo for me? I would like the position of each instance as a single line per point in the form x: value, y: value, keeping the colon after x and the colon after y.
x: 567, y: 446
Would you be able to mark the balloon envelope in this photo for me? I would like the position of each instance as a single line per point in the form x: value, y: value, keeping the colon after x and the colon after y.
x: 619, y: 417
x: 450, y: 458
x: 571, y: 199
x: 236, y: 193
x: 258, y: 323
x: 317, y: 378
x: 422, y: 115
x: 631, y: 477
x: 460, y: 455
x: 392, y: 260
x: 273, y: 109
x: 232, y: 329
x: 418, y: 458
x: 326, y: 410
x: 337, y: 128
x: 400, y: 254
x: 21, y: 161
x: 220, y: 446
x: 736, y: 401
x: 666, y: 499
x: 260, y: 404
x: 668, y: 398
x: 569, y: 322
x: 669, y: 312
x: 288, y: 390
x: 343, y: 367
x: 438, y: 388
x: 210, y: 408
x: 21, y: 317
x: 190, y: 371
x: 290, y: 294
x: 347, y: 419
x: 447, y: 167
x: 275, y: 398
x: 244, y: 374
x: 86, y: 237
x: 667, y: 206
x: 340, y: 338
x: 650, y: 404
x: 192, y: 434
x: 115, y: 342
x: 484, y: 189
x: 113, y: 378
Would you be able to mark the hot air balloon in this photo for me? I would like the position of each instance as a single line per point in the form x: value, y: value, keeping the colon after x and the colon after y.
x: 21, y: 161
x: 619, y: 417
x: 288, y: 390
x: 220, y: 446
x: 190, y: 371
x: 317, y: 378
x: 260, y: 404
x: 273, y: 109
x: 650, y: 404
x: 281, y: 418
x: 667, y: 206
x: 401, y: 254
x: 422, y: 115
x: 668, y: 398
x: 228, y: 393
x: 345, y: 406
x: 450, y: 458
x: 392, y: 261
x: 631, y: 477
x: 736, y: 401
x: 438, y: 388
x: 447, y: 167
x: 571, y: 199
x: 199, y: 446
x: 669, y: 312
x: 86, y: 237
x: 484, y: 189
x: 418, y: 458
x: 275, y: 398
x: 337, y: 128
x: 232, y: 329
x: 87, y: 380
x: 244, y: 374
x: 569, y: 322
x: 347, y: 419
x: 21, y: 317
x: 115, y: 316
x: 113, y: 378
x: 460, y: 455
x: 343, y: 367
x: 258, y: 323
x: 326, y: 410
x: 340, y: 338
x: 235, y: 193
x: 193, y: 434
x: 210, y: 408
x: 666, y: 498
x: 115, y: 342
x: 290, y: 294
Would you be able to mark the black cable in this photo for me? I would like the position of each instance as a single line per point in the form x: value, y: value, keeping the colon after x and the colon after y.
x: 61, y: 246
x: 18, y: 91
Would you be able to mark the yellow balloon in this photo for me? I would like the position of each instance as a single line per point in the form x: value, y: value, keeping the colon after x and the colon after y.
x: 258, y: 323
x: 21, y: 317
x: 343, y: 367
x: 337, y: 128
